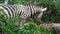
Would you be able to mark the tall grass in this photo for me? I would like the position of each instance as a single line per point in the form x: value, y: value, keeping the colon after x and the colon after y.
x: 11, y: 26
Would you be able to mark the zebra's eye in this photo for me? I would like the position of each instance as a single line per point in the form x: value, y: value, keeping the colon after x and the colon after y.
x: 38, y: 12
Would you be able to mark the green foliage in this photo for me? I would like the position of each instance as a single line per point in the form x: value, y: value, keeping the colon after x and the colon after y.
x: 5, y: 30
x: 28, y: 28
x: 44, y: 30
x: 10, y: 26
x: 32, y: 28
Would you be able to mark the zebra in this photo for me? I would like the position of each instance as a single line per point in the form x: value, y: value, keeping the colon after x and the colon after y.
x: 25, y: 11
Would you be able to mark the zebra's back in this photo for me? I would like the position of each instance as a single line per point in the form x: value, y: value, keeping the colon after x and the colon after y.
x: 8, y: 9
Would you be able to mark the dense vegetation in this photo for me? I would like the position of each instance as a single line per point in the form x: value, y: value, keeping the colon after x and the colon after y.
x: 51, y: 15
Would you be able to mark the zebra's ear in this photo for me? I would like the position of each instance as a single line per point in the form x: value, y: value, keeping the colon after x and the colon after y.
x: 44, y: 9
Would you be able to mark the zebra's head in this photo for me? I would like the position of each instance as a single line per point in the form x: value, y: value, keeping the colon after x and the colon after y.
x: 41, y: 10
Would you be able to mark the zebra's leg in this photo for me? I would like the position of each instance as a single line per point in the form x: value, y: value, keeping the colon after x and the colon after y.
x: 22, y: 22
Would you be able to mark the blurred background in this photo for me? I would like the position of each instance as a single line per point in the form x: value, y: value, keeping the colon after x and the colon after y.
x: 52, y: 15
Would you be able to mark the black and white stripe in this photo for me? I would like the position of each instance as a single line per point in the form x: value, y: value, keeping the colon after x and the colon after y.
x: 24, y: 11
x: 9, y: 10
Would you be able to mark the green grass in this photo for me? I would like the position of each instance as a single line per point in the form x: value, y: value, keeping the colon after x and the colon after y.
x: 29, y: 28
x: 10, y: 26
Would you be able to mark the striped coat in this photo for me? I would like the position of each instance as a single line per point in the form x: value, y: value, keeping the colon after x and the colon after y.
x: 24, y: 11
